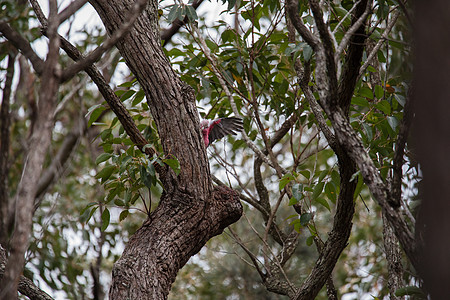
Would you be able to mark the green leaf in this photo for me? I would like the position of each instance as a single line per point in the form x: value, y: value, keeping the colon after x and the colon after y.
x: 305, y: 218
x: 174, y: 164
x: 231, y: 4
x: 310, y: 240
x: 103, y: 157
x: 400, y: 99
x: 228, y: 36
x: 145, y: 176
x: 379, y: 92
x: 105, y: 173
x: 105, y: 219
x: 127, y: 95
x: 324, y: 203
x: 306, y: 173
x: 410, y: 291
x: 292, y: 201
x: 123, y: 215
x: 285, y: 180
x: 191, y: 13
x: 138, y: 98
x: 330, y: 190
x: 322, y: 175
x: 368, y: 131
x: 95, y: 113
x: 297, y: 191
x: 371, y: 69
x: 119, y: 202
x: 307, y: 52
x: 174, y: 13
x: 365, y: 92
x: 317, y: 190
x: 393, y: 122
x: 359, y: 186
x: 360, y: 101
x: 384, y: 106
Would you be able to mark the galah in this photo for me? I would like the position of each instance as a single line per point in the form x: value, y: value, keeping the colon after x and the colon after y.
x: 216, y: 129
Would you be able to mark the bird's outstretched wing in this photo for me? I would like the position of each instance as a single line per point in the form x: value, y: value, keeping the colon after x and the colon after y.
x: 224, y: 126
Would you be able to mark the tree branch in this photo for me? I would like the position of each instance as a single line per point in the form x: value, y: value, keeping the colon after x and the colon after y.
x: 5, y: 123
x: 23, y: 45
x: 377, y: 47
x: 355, y: 149
x: 95, y: 55
x: 26, y: 287
x: 353, y: 58
x: 292, y: 8
x: 326, y: 76
x: 72, y: 8
x: 398, y: 161
x: 352, y: 30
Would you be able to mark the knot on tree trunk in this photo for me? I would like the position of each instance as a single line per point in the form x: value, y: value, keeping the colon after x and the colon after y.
x: 226, y: 207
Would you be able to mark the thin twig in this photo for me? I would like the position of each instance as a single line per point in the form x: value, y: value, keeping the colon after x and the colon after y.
x: 377, y: 47
x: 95, y: 55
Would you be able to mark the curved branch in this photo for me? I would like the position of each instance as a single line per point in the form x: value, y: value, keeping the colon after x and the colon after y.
x: 95, y: 55
x: 23, y: 45
x: 292, y: 8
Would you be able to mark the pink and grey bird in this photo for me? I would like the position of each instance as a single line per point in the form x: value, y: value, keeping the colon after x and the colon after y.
x: 217, y: 129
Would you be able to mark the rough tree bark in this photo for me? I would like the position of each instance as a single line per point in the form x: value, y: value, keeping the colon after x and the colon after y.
x: 191, y: 211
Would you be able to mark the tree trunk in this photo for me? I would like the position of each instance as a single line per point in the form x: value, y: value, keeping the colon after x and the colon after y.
x: 190, y: 210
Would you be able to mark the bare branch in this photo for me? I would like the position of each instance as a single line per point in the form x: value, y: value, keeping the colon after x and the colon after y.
x: 328, y: 52
x: 81, y: 64
x: 377, y: 47
x: 355, y: 148
x: 253, y: 258
x: 23, y: 45
x: 345, y: 17
x: 353, y: 59
x: 315, y: 107
x: 355, y: 26
x: 397, y: 163
x: 292, y: 8
x: 72, y: 8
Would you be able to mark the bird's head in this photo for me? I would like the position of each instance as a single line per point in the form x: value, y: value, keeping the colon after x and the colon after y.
x: 204, y: 124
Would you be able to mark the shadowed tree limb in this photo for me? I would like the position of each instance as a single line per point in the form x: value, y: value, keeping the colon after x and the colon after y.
x: 26, y: 287
x: 5, y: 123
x: 23, y: 45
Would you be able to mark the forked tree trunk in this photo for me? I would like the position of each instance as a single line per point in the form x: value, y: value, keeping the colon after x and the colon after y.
x: 191, y: 211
